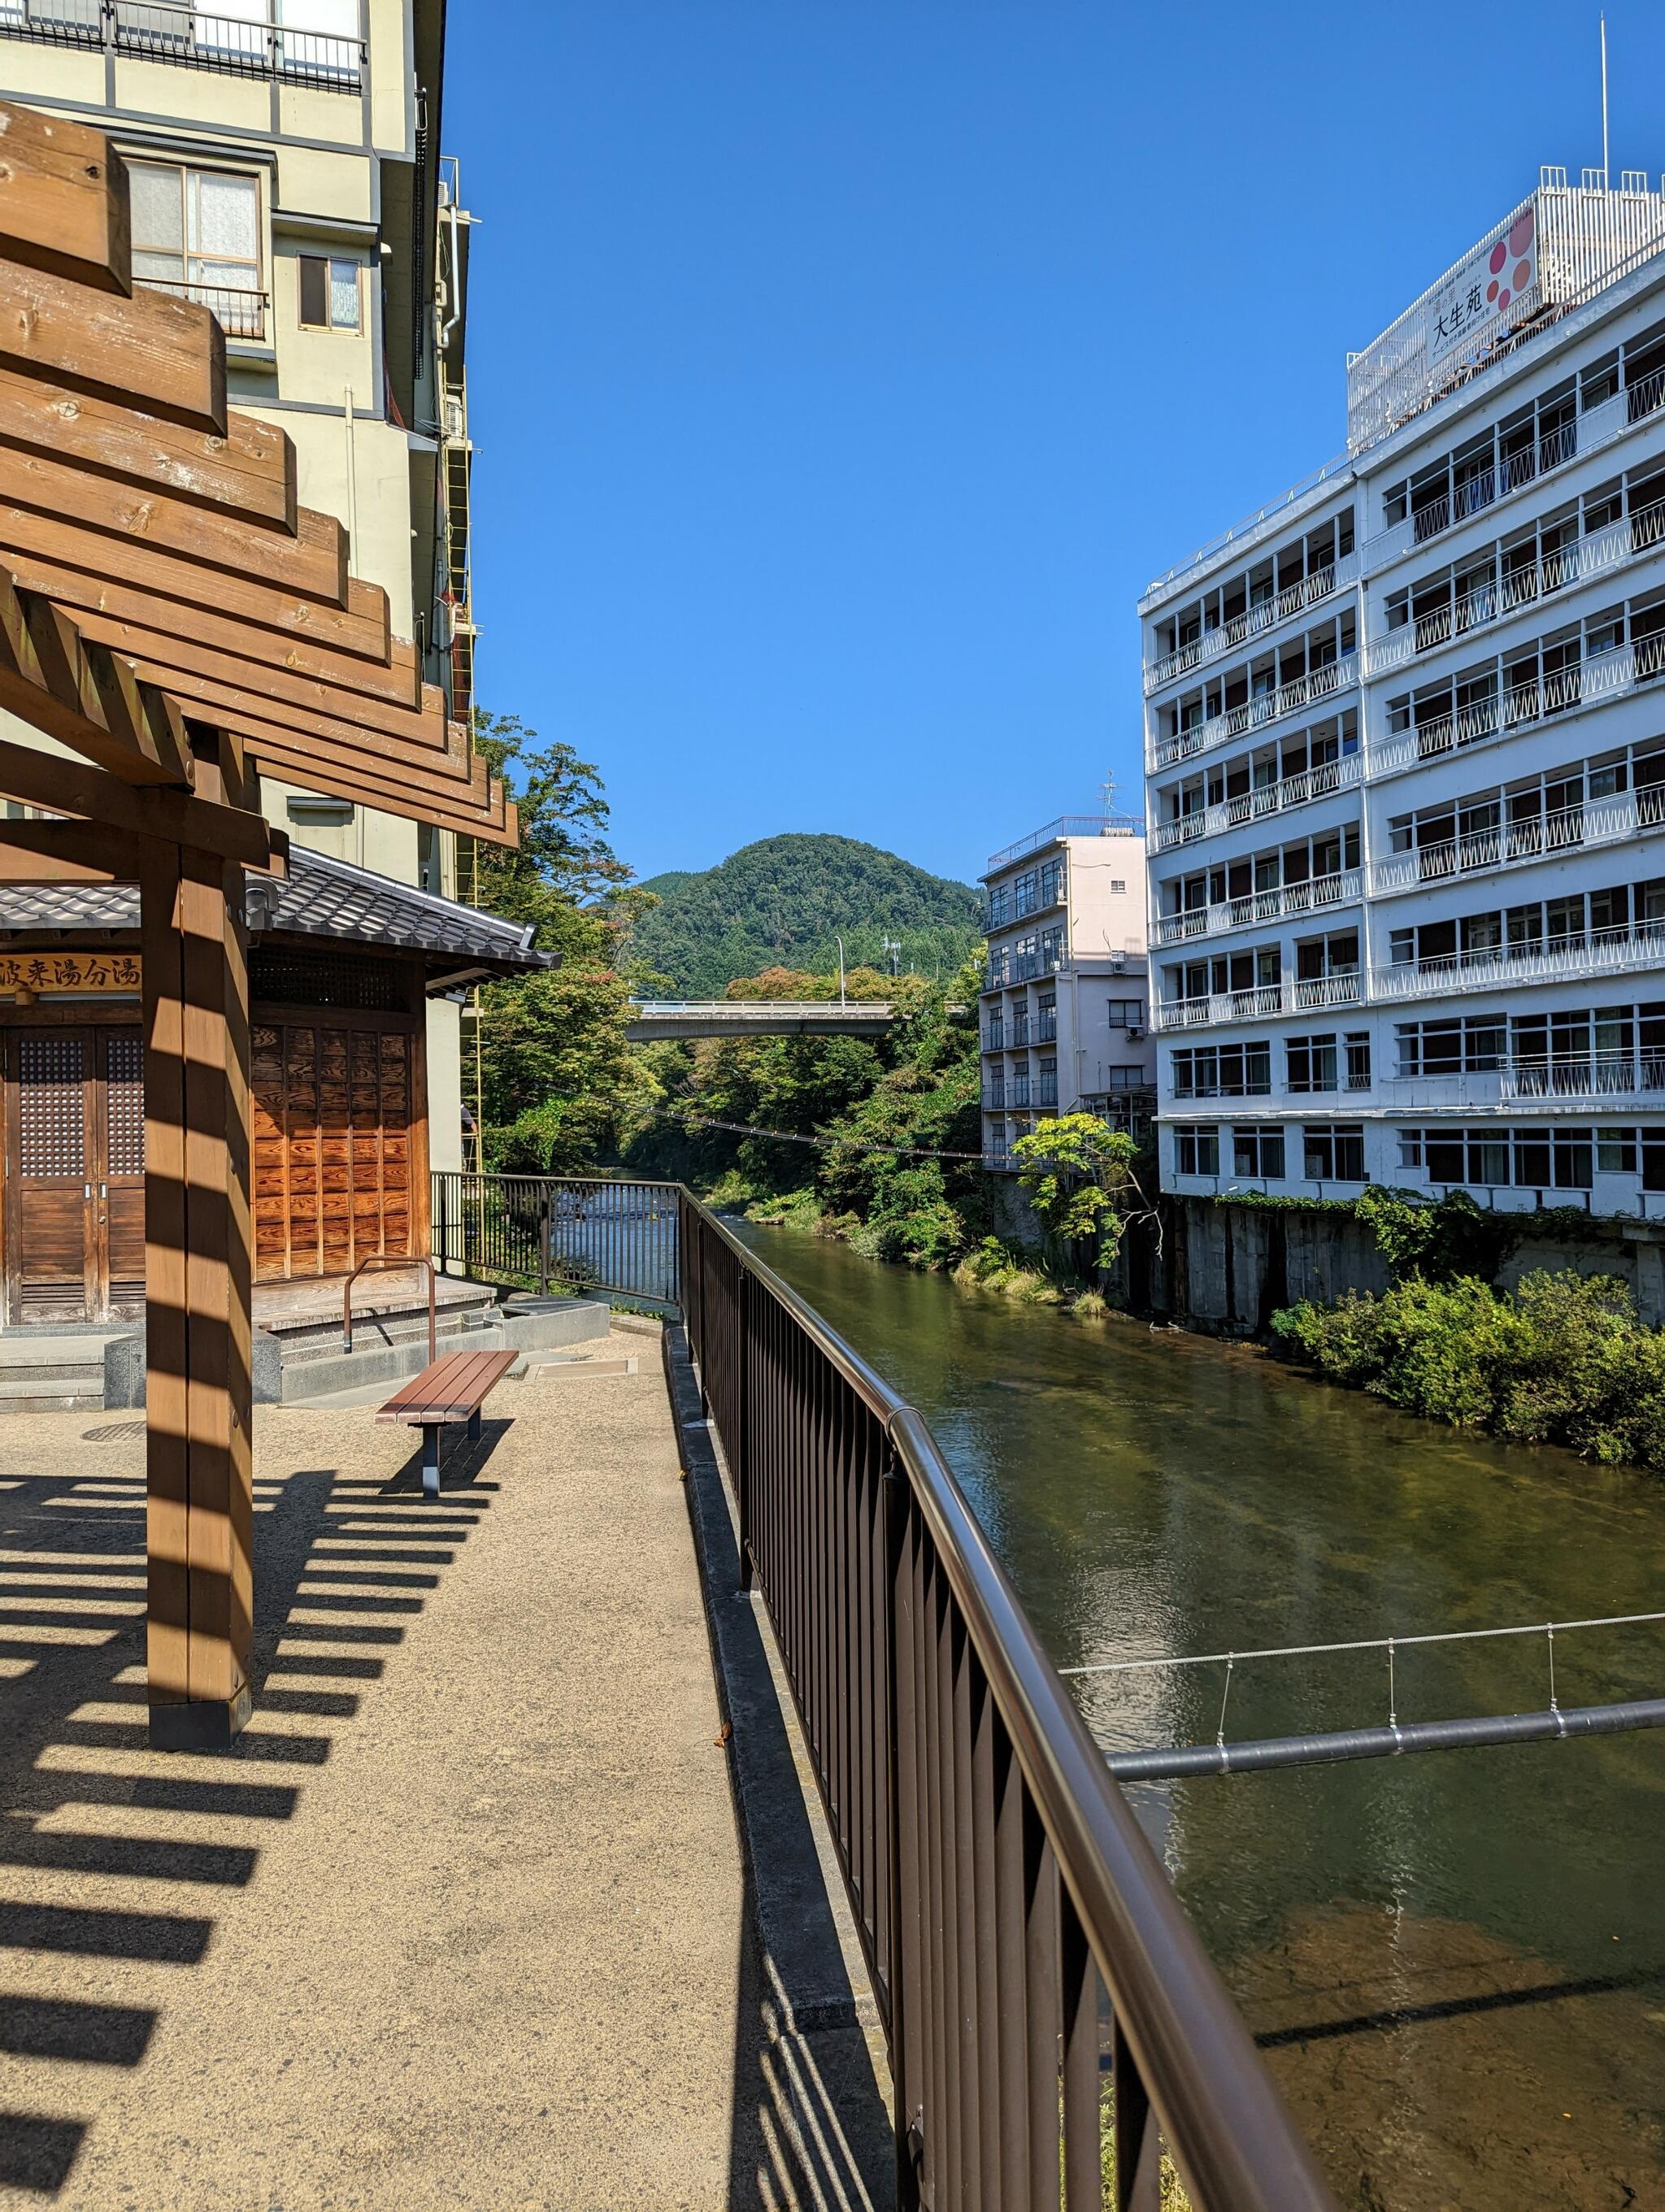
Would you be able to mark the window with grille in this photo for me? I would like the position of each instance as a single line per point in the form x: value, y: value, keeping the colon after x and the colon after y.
x: 196, y: 235
x: 51, y: 1135
x: 284, y: 978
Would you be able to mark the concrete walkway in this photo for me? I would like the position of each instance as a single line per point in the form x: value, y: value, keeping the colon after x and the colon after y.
x: 463, y: 1920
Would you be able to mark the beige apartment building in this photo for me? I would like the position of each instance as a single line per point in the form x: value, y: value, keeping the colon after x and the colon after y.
x: 1065, y: 1007
x: 285, y: 167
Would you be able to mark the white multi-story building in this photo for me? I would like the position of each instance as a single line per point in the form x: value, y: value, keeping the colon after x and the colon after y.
x: 1406, y: 757
x: 1065, y: 1007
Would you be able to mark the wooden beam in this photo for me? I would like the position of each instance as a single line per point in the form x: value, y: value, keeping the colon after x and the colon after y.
x: 398, y: 680
x: 73, y: 786
x: 360, y: 627
x: 335, y: 714
x: 166, y: 356
x: 198, y: 1288
x: 251, y: 471
x: 64, y: 199
x: 311, y: 564
x: 79, y: 694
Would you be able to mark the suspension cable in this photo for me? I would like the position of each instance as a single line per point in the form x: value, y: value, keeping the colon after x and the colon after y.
x: 1388, y: 1643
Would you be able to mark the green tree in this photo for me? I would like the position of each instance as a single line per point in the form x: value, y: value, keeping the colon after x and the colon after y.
x: 1080, y: 1177
x: 561, y: 1086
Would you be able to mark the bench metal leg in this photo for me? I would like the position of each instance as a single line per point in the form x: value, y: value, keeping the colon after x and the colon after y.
x: 430, y: 1459
x: 474, y: 1427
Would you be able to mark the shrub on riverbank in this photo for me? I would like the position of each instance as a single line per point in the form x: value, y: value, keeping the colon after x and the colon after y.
x: 1561, y: 1360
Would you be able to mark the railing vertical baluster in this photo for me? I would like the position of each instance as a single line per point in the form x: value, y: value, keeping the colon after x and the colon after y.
x: 1083, y: 2152
x: 1137, y: 2148
x: 740, y: 1465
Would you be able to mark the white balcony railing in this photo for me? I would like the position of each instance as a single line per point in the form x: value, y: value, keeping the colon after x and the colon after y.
x: 1602, y: 552
x: 1266, y: 800
x: 1305, y: 995
x: 1516, y: 844
x: 1608, y: 1080
x: 1319, y: 892
x: 1255, y: 714
x: 247, y: 40
x: 1558, y: 959
x: 1601, y: 677
x: 1283, y: 606
x: 1596, y: 426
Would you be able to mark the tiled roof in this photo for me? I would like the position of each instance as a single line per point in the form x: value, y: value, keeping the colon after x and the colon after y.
x: 321, y: 898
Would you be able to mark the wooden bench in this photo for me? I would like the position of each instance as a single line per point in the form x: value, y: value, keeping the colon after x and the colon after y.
x: 453, y: 1389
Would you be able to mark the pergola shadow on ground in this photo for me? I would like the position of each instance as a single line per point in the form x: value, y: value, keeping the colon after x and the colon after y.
x: 461, y: 1917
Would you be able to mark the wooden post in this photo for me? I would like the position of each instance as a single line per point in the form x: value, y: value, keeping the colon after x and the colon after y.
x: 198, y: 1272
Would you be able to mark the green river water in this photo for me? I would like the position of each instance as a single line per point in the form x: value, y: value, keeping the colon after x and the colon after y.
x: 1454, y: 1961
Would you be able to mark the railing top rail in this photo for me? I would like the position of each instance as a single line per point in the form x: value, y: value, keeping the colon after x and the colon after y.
x: 1221, y: 2115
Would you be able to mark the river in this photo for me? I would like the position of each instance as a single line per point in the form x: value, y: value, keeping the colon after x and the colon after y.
x: 1454, y: 1961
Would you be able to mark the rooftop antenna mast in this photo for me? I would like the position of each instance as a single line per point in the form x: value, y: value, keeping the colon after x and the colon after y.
x: 1606, y: 172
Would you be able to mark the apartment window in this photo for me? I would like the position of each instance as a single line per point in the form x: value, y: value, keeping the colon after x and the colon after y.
x: 1488, y: 1159
x: 1124, y: 1013
x: 1335, y: 1152
x: 1197, y: 1151
x: 1531, y: 1158
x: 1410, y: 1148
x: 1615, y: 1152
x: 994, y: 1036
x: 1227, y: 1071
x: 1258, y: 1149
x: 1118, y: 883
x: 1359, y: 1060
x: 196, y: 235
x: 329, y: 292
x: 1126, y: 1079
x: 1311, y: 1062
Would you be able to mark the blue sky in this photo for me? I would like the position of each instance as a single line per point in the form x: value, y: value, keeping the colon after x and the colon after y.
x: 841, y: 370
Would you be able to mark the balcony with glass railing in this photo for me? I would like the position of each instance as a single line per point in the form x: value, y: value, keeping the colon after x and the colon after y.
x: 1510, y: 475
x: 1599, y: 677
x: 1255, y: 622
x: 1305, y: 995
x: 1256, y: 806
x: 248, y: 41
x: 1597, y: 823
x: 1602, y: 553
x: 1550, y: 960
x: 1316, y: 894
x: 1324, y: 682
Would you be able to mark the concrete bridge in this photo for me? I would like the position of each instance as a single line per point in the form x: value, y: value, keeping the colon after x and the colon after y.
x: 652, y: 1020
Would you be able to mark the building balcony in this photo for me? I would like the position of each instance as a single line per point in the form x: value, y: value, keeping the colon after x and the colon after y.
x: 1318, y: 893
x: 1610, y: 1080
x: 1517, y: 844
x: 1603, y: 552
x: 1066, y: 825
x: 246, y: 44
x: 1589, y: 682
x: 1557, y: 960
x: 239, y: 314
x: 1255, y: 622
x: 1597, y: 426
x: 1307, y: 995
x: 1259, y: 712
x: 1266, y: 800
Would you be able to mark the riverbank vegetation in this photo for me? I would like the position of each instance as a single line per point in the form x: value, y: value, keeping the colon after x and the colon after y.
x: 1563, y: 1358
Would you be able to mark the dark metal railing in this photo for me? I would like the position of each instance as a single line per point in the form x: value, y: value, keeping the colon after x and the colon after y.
x: 1052, y: 2018
x: 559, y: 1232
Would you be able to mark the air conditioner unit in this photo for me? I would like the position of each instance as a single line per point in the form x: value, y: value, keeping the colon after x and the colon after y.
x: 1134, y: 1032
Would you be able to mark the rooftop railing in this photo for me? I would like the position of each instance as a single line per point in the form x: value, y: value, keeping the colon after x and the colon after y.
x: 1066, y: 825
x: 193, y: 38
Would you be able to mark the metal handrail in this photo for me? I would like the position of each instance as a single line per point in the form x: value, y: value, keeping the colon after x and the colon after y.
x: 392, y: 1260
x: 1180, y: 2050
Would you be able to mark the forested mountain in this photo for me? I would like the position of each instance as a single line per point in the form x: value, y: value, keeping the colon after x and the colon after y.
x: 785, y: 901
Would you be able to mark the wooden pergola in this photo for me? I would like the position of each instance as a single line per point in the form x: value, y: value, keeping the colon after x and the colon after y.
x: 173, y: 623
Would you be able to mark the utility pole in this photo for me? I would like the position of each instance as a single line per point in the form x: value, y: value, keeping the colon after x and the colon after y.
x: 890, y: 947
x: 840, y: 942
